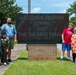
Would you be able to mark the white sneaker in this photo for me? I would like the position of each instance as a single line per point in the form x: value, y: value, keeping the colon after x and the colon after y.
x: 5, y: 63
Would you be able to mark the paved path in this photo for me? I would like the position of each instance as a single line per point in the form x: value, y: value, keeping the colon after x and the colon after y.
x: 15, y: 53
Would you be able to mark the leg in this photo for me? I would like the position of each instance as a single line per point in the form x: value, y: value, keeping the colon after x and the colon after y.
x: 1, y: 55
x: 63, y: 50
x: 68, y: 55
x: 73, y: 57
x: 6, y: 58
x: 62, y: 54
x: 68, y: 51
x: 5, y: 55
x: 9, y: 55
x: 11, y: 45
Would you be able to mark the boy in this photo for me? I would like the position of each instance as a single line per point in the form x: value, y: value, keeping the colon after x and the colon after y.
x: 66, y: 41
x: 4, y: 47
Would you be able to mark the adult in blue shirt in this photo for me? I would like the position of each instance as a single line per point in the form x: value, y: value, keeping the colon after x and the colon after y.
x: 11, y: 34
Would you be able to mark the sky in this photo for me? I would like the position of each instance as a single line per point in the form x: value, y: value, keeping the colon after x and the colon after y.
x: 45, y: 6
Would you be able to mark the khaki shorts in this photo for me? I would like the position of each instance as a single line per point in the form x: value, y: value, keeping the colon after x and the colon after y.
x: 11, y: 43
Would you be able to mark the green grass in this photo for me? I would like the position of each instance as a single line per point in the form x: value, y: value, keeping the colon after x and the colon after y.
x: 22, y: 66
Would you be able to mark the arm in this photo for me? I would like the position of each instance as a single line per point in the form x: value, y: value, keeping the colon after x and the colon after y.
x: 15, y: 38
x: 62, y: 38
x: 63, y: 33
x: 15, y: 35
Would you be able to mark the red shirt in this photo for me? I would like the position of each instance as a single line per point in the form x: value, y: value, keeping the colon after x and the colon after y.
x: 67, y: 35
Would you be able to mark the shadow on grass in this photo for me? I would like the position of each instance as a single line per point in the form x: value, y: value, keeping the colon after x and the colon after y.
x: 22, y: 58
x: 65, y: 59
x: 58, y: 58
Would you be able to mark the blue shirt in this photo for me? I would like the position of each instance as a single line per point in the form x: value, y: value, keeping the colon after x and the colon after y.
x: 10, y: 30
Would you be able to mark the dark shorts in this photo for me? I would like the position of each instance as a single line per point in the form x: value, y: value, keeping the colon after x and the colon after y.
x: 66, y: 47
x: 11, y: 43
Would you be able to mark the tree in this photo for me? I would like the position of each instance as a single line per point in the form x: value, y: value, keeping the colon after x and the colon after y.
x: 8, y: 8
x: 73, y: 20
x: 72, y: 9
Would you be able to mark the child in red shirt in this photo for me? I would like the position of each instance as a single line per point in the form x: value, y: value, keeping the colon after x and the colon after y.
x: 66, y: 41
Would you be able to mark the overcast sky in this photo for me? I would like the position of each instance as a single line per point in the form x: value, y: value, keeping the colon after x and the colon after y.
x: 45, y: 6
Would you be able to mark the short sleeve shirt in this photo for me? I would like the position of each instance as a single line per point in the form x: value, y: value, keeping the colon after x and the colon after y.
x: 10, y: 30
x: 67, y: 35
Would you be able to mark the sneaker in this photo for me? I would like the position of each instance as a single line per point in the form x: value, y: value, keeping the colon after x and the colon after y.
x: 5, y: 63
x: 9, y: 60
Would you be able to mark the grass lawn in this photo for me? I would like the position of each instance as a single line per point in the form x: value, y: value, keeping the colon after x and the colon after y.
x: 22, y: 66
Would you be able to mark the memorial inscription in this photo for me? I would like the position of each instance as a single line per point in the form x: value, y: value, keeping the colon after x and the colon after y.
x: 41, y: 28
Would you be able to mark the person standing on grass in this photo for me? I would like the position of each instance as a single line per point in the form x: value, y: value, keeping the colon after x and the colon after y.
x: 4, y: 48
x: 73, y: 45
x: 66, y: 41
x: 11, y: 33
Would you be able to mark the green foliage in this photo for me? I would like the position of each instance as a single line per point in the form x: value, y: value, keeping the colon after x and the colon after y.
x: 73, y: 20
x: 72, y: 9
x: 8, y: 8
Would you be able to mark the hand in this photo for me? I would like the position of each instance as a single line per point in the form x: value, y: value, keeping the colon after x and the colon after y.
x: 15, y: 41
x: 7, y: 38
x: 62, y: 41
x: 7, y: 50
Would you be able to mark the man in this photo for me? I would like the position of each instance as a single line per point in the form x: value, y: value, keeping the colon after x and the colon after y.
x: 66, y: 41
x: 11, y: 34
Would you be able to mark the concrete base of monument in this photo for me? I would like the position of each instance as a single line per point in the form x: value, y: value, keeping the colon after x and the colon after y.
x: 42, y: 51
